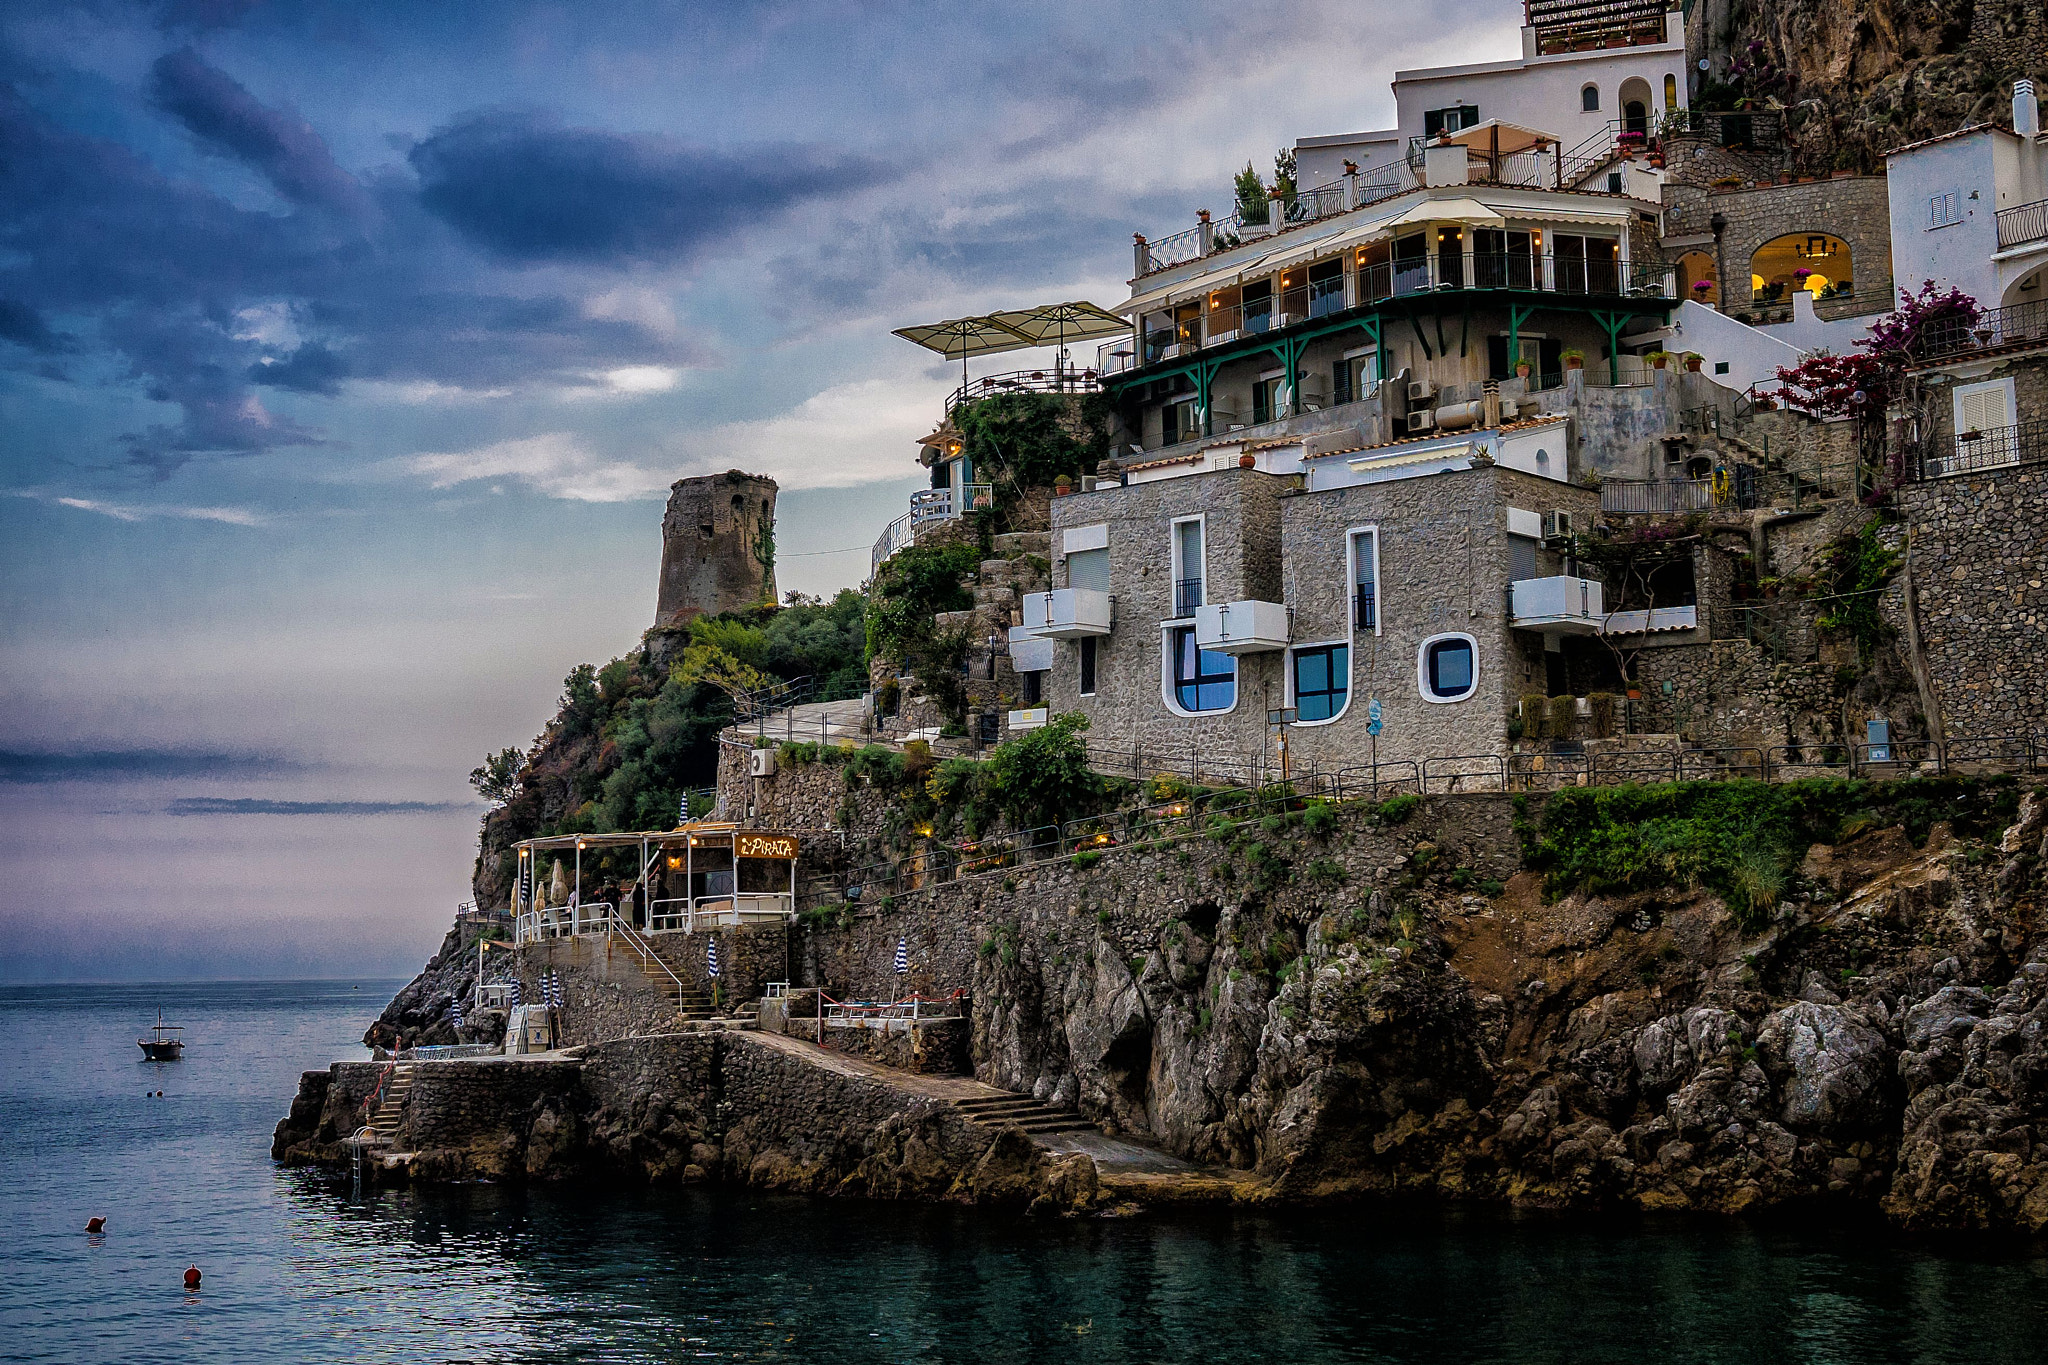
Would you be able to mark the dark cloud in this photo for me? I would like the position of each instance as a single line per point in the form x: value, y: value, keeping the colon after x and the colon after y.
x: 127, y: 765
x: 201, y: 16
x: 276, y: 143
x: 530, y: 190
x: 24, y: 326
x: 247, y: 805
x: 310, y: 369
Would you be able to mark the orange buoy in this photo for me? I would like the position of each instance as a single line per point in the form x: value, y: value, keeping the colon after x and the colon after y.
x: 95, y: 1225
x: 191, y: 1277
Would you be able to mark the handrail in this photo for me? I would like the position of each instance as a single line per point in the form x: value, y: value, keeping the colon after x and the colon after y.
x: 2022, y: 223
x: 646, y: 951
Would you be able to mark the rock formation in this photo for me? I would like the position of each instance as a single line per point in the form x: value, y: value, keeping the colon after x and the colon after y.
x: 717, y: 547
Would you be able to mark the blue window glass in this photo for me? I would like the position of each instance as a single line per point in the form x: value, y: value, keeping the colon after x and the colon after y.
x: 1320, y: 681
x: 1449, y: 668
x: 1202, y: 680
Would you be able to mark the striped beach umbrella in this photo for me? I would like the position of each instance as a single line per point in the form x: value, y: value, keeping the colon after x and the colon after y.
x: 902, y: 956
x: 711, y: 956
x: 515, y: 993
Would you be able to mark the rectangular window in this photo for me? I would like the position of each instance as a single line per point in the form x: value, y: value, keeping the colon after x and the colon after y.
x: 1521, y: 558
x: 1088, y: 665
x: 1177, y: 422
x: 1411, y: 264
x: 1943, y: 210
x: 1325, y: 287
x: 1365, y: 572
x: 1587, y: 265
x: 1266, y: 400
x: 1322, y: 677
x: 1438, y: 121
x: 1258, y: 306
x: 1202, y: 680
x: 1033, y: 684
x: 1450, y: 257
x: 1188, y: 570
x: 1983, y: 407
x: 1088, y: 569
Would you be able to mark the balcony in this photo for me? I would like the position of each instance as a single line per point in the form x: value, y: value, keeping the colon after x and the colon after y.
x: 1025, y: 381
x: 1068, y: 613
x: 1187, y: 595
x: 1956, y: 333
x: 2022, y: 223
x: 929, y: 507
x: 1559, y: 605
x: 1365, y: 607
x: 1972, y: 452
x: 1242, y: 627
x: 1029, y: 652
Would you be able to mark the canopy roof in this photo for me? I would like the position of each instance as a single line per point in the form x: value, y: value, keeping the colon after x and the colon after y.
x: 1442, y: 211
x: 959, y: 338
x: 1512, y: 138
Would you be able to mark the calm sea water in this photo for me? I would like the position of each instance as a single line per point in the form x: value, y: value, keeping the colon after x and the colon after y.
x: 294, y: 1271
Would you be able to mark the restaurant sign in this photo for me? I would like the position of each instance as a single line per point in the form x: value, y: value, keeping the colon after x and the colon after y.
x: 765, y: 845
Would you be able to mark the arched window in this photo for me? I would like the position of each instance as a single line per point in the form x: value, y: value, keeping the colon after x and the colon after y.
x: 1696, y: 268
x: 1200, y: 679
x: 1817, y: 262
x: 1589, y: 98
x: 1670, y: 91
x: 1634, y: 99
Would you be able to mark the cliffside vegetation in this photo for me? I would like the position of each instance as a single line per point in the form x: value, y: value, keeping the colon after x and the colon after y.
x: 633, y: 736
x: 1019, y: 442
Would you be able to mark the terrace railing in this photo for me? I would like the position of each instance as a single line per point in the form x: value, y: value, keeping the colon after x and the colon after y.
x: 1973, y: 452
x: 2022, y: 223
x: 1025, y: 381
x: 1955, y: 333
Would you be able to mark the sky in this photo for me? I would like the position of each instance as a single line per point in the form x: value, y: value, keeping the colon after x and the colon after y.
x: 347, y: 351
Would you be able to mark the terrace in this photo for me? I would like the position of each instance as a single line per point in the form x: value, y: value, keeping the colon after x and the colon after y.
x: 700, y: 876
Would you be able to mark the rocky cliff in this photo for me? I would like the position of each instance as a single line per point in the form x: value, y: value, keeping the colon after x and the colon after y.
x: 1865, y: 76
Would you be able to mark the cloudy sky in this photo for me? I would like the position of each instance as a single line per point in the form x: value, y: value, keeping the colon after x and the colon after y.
x: 347, y: 351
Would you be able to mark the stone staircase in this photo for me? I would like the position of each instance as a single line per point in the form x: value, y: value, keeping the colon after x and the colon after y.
x: 391, y: 1106
x: 1028, y: 1114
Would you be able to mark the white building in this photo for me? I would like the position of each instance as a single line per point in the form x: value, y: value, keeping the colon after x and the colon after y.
x: 1589, y: 72
x: 1969, y: 210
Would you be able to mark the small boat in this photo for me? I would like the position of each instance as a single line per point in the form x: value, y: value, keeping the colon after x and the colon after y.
x: 165, y: 1042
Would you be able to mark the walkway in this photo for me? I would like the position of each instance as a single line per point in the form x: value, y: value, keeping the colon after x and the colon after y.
x: 813, y: 721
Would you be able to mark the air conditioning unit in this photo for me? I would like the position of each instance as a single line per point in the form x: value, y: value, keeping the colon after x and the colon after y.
x: 1421, y: 420
x: 1420, y: 391
x: 1557, y: 526
x: 764, y: 763
x: 1508, y: 409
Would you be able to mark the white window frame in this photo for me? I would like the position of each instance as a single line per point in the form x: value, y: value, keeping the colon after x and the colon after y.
x: 1379, y: 598
x: 1179, y: 570
x: 1350, y: 647
x: 1422, y: 668
x: 1166, y: 630
x: 1961, y: 391
x: 1081, y: 645
x: 1594, y: 107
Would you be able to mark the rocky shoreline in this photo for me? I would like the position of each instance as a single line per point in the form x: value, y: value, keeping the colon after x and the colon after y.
x: 1414, y: 1019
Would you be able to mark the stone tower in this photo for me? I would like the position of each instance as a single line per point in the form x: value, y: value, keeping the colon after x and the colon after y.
x: 717, y: 546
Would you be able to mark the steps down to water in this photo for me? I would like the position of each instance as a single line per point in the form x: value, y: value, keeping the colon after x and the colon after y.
x: 1027, y: 1113
x: 391, y: 1106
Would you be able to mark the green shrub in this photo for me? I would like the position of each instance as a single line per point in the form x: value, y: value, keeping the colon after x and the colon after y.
x: 1561, y: 718
x: 1327, y: 871
x: 1532, y: 711
x: 1602, y: 705
x: 1396, y: 809
x: 1086, y: 858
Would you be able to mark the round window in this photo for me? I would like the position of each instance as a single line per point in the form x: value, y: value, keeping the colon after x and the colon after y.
x: 1447, y: 668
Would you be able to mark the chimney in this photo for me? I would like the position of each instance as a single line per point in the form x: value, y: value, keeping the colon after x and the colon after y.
x: 2026, y: 110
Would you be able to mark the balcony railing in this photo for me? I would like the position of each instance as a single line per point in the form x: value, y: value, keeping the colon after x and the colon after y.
x: 1364, y: 607
x: 929, y: 507
x: 1997, y: 448
x: 1187, y: 595
x: 1559, y: 603
x: 1653, y: 497
x: 1954, y: 334
x: 1025, y: 381
x: 1341, y: 195
x: 2022, y: 223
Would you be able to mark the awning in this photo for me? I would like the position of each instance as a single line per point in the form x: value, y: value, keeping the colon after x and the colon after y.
x: 1495, y: 138
x: 1056, y: 324
x: 1441, y: 211
x: 959, y: 338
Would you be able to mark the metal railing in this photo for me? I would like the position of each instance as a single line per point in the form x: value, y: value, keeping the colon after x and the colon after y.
x: 2022, y: 223
x: 928, y: 507
x: 1370, y: 186
x: 1652, y: 497
x: 564, y: 921
x: 1364, y: 607
x: 1187, y: 595
x: 1955, y: 333
x: 1024, y: 381
x: 1969, y: 453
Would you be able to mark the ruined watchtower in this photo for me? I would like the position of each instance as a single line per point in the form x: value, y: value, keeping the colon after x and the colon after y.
x: 717, y: 546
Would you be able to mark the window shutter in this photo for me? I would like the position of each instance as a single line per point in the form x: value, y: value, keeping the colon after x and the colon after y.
x: 1088, y: 569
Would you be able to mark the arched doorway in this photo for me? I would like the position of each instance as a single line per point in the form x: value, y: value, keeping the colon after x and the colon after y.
x: 1697, y: 278
x: 2031, y: 292
x: 1817, y: 262
x: 1634, y: 99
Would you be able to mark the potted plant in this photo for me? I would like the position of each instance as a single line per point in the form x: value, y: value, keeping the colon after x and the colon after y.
x: 1247, y: 460
x: 1693, y: 361
x: 1701, y: 288
x: 1062, y: 485
x: 1659, y: 359
x: 1522, y: 368
x: 1575, y: 360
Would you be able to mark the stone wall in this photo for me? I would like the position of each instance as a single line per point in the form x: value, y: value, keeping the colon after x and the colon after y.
x: 462, y: 1105
x: 717, y: 546
x: 1980, y: 571
x: 1856, y: 209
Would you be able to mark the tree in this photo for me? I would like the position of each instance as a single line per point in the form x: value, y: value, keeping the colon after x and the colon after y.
x: 1042, y: 777
x: 497, y: 781
x: 1251, y: 195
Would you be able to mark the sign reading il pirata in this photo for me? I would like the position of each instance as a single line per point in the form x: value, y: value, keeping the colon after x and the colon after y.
x: 765, y: 845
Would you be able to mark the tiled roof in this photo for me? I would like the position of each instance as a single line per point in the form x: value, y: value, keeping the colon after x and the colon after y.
x: 1188, y: 458
x: 1520, y: 425
x: 1943, y: 137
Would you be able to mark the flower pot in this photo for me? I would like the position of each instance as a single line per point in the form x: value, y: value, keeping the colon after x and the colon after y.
x: 1522, y: 369
x: 1574, y: 364
x: 1692, y: 365
x: 1659, y: 362
x: 1247, y: 461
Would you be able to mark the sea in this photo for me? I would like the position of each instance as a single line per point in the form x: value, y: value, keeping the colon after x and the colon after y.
x: 296, y: 1267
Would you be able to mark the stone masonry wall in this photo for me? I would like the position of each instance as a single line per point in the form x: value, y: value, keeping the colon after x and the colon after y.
x: 1980, y: 567
x: 717, y: 546
x: 1856, y: 209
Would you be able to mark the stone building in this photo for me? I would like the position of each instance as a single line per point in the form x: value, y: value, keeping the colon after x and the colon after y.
x: 1207, y: 593
x: 717, y: 547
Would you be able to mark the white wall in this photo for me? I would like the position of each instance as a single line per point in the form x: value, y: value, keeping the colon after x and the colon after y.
x: 1544, y: 92
x: 1958, y: 255
x: 1319, y: 160
x: 1809, y: 333
x: 1751, y: 356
